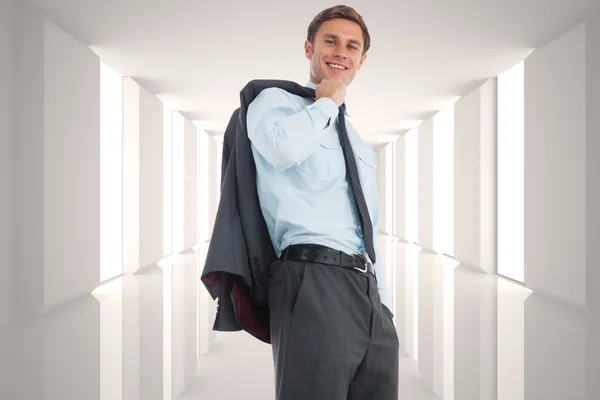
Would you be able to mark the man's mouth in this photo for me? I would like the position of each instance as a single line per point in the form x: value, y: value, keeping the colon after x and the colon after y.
x: 337, y: 66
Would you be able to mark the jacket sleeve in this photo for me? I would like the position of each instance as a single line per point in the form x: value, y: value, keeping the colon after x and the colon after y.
x: 280, y: 133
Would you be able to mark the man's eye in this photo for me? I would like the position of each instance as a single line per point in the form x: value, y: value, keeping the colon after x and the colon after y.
x: 329, y: 41
x: 352, y: 47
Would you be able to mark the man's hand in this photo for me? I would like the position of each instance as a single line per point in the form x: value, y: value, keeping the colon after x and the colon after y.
x: 334, y: 89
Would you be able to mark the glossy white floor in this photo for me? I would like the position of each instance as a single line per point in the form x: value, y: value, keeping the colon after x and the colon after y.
x: 465, y: 336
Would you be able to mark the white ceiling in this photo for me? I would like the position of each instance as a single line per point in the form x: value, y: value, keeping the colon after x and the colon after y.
x: 197, y: 55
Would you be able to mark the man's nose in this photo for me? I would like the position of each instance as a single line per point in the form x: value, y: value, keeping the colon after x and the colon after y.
x: 341, y: 52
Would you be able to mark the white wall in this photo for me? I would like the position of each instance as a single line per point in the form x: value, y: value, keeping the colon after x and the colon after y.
x: 190, y: 198
x: 6, y: 159
x: 57, y: 161
x: 142, y: 178
x: 475, y: 147
x: 425, y: 183
x: 71, y: 166
x: 592, y: 158
x: 557, y: 87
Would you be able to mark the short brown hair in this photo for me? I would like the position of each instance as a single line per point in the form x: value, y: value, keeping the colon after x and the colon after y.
x: 343, y: 12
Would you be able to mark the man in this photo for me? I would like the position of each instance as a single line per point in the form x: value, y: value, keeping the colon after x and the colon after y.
x: 332, y: 335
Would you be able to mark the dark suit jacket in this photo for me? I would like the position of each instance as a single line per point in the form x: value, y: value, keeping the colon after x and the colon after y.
x: 237, y: 267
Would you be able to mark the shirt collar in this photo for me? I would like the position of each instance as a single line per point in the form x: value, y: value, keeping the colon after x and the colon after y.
x: 312, y: 85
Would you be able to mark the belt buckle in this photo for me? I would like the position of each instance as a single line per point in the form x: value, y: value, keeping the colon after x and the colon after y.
x: 366, y: 268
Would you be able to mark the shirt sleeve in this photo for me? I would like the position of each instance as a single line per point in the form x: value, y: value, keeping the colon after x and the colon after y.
x: 280, y: 133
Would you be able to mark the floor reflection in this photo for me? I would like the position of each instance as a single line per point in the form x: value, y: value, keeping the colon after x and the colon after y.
x: 464, y: 335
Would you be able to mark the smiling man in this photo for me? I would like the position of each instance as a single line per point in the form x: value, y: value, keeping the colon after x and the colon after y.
x: 332, y: 331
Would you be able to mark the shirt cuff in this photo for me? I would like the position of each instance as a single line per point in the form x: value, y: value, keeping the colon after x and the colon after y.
x: 327, y: 107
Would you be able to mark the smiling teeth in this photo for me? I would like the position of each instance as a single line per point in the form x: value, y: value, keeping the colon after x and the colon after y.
x: 336, y: 66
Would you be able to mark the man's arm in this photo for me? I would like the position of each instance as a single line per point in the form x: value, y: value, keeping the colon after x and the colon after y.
x: 282, y: 135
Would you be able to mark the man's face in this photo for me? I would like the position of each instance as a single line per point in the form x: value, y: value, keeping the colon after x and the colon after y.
x: 337, y: 43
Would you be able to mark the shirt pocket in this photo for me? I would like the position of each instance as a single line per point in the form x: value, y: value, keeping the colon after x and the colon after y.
x: 367, y: 164
x: 324, y: 164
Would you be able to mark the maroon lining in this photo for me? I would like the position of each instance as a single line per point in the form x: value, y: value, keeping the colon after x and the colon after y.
x: 251, y: 319
x: 211, y: 278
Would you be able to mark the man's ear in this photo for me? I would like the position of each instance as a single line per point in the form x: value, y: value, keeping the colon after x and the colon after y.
x: 308, y: 49
x: 362, y: 60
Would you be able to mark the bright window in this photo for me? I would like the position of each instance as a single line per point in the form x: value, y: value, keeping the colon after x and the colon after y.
x: 389, y: 188
x: 178, y: 182
x: 443, y: 182
x: 412, y: 188
x: 111, y: 173
x: 168, y: 182
x: 511, y: 173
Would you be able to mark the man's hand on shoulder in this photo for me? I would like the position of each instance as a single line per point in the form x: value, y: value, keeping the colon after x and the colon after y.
x: 333, y: 89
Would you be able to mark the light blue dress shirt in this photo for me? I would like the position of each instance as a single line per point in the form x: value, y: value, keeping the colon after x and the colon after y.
x: 301, y: 175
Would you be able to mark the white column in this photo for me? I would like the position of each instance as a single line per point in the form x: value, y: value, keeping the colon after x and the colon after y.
x: 426, y: 321
x: 143, y: 337
x: 110, y: 296
x: 6, y: 159
x: 152, y: 324
x: 425, y: 182
x: 58, y: 350
x: 411, y: 304
x: 399, y: 229
x: 552, y: 334
x: 207, y: 308
x: 151, y: 179
x: 190, y: 220
x: 57, y: 165
x: 561, y: 167
x: 184, y: 319
x: 436, y: 323
x: 399, y: 289
x: 475, y: 335
x: 475, y: 125
x: 142, y: 178
x: 511, y: 341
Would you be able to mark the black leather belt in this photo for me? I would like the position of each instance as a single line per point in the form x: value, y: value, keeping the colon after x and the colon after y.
x: 326, y: 255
